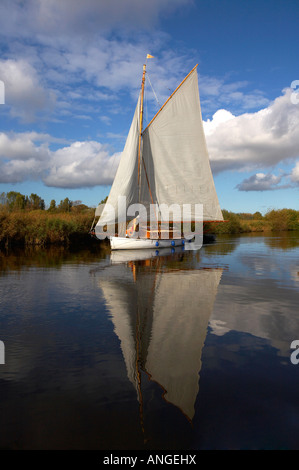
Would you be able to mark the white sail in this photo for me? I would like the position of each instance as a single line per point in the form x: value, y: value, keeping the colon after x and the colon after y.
x: 125, y: 181
x: 174, y: 163
x: 175, y: 154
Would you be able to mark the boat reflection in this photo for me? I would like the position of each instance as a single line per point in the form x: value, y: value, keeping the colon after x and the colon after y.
x: 160, y: 304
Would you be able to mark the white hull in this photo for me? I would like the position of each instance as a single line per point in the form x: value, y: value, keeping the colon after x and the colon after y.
x: 125, y: 243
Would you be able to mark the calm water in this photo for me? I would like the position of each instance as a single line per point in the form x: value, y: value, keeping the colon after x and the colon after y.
x: 183, y: 350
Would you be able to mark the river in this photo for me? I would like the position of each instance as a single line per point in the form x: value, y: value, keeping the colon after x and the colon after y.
x: 151, y: 350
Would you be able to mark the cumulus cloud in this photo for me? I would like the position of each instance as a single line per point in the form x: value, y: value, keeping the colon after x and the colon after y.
x: 220, y: 117
x: 24, y: 92
x: 254, y: 140
x: 21, y: 158
x: 261, y: 182
x: 295, y: 174
x: 81, y: 164
x: 242, y: 143
x: 27, y: 156
x: 57, y: 66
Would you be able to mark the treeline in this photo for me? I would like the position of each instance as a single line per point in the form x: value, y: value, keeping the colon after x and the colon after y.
x: 14, y: 201
x: 25, y: 220
x: 273, y: 221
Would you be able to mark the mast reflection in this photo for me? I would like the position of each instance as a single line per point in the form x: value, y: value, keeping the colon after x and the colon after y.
x: 160, y: 304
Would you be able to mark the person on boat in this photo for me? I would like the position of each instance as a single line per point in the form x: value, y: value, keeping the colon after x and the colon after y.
x: 132, y: 227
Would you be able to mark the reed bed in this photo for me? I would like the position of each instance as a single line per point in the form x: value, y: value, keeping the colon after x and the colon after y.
x: 44, y: 227
x: 39, y: 227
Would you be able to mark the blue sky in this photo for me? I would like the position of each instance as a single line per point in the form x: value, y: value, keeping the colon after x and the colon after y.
x: 72, y: 72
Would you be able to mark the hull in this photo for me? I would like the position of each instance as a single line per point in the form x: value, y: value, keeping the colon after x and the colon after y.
x: 125, y: 243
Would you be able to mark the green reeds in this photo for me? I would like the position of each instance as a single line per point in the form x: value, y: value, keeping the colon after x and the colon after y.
x: 272, y: 221
x: 41, y: 227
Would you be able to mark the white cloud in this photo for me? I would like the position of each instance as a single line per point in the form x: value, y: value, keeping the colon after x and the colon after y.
x: 221, y: 116
x: 23, y: 146
x: 82, y: 164
x: 67, y: 50
x: 21, y: 158
x: 24, y: 93
x: 52, y: 39
x: 220, y: 92
x: 54, y: 73
x: 254, y: 140
x: 295, y: 173
x: 261, y: 182
x: 27, y: 156
x: 52, y: 48
x: 250, y: 141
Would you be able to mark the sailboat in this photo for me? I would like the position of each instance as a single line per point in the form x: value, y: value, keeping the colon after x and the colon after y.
x: 164, y: 165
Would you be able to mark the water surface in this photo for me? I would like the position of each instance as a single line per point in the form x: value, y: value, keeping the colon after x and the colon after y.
x: 151, y: 350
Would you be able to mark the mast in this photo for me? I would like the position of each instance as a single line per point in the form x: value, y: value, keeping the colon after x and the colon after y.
x: 141, y: 131
x: 141, y: 122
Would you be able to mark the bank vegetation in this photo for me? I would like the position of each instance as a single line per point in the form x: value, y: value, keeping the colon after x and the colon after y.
x: 25, y: 221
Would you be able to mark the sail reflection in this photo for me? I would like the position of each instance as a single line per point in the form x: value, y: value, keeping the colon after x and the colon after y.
x: 160, y: 304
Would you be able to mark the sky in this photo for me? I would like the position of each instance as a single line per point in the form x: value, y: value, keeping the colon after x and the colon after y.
x: 70, y: 75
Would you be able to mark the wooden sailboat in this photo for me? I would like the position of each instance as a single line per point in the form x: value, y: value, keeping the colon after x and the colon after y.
x: 164, y: 165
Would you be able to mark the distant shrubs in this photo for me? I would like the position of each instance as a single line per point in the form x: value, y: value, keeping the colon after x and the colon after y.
x: 14, y: 200
x: 274, y: 220
x: 24, y: 220
x: 283, y: 219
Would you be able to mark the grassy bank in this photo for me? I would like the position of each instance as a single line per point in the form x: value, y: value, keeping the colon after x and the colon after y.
x: 43, y: 228
x: 272, y: 221
x: 39, y: 227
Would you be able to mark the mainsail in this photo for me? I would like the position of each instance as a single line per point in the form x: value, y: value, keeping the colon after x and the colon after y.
x: 174, y: 162
x: 175, y: 154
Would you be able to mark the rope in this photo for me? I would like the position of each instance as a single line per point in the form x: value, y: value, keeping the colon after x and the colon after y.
x: 153, y: 90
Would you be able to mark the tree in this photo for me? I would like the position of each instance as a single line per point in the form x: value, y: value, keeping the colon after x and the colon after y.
x: 65, y: 205
x: 52, y: 206
x: 20, y: 201
x: 3, y: 199
x: 76, y: 203
x: 15, y: 200
x: 36, y: 202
